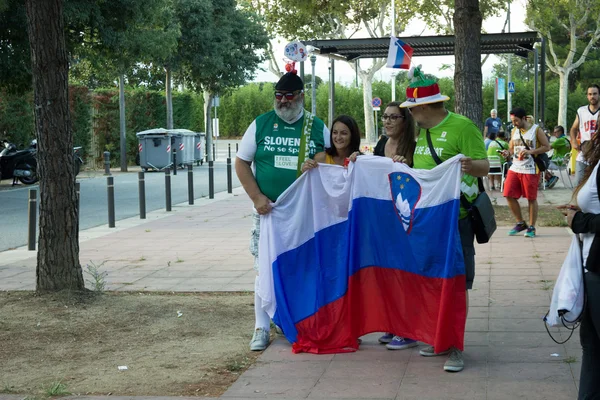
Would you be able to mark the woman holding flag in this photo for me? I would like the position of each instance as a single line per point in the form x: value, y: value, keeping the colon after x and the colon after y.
x: 344, y: 139
x: 399, y: 145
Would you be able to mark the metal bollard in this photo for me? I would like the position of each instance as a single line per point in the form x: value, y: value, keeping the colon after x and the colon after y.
x: 229, y: 183
x: 174, y: 161
x: 77, y: 194
x: 107, y: 163
x: 110, y: 183
x: 168, y: 189
x: 214, y: 153
x: 32, y: 207
x: 211, y: 180
x: 190, y: 184
x: 142, y: 194
x: 229, y: 150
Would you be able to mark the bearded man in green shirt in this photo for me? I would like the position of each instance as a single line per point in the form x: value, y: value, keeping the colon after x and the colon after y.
x: 269, y: 160
x: 449, y: 134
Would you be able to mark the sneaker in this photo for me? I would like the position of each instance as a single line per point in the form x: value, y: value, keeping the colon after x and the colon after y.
x: 520, y: 227
x: 455, y: 362
x: 429, y: 352
x: 530, y: 232
x: 400, y: 343
x: 386, y: 338
x: 260, y: 340
x: 552, y: 182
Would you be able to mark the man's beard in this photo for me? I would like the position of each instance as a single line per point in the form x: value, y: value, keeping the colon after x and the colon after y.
x: 288, y: 111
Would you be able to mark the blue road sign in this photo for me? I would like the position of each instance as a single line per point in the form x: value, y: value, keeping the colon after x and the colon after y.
x: 376, y: 102
x: 511, y: 87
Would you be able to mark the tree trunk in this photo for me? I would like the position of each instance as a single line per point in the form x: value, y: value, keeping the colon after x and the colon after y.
x: 467, y: 52
x: 58, y: 265
x: 208, y: 118
x: 367, y: 80
x: 370, y: 133
x: 169, y: 92
x: 563, y: 99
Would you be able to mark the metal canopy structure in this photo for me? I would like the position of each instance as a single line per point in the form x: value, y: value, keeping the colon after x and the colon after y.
x: 351, y: 49
x: 517, y: 43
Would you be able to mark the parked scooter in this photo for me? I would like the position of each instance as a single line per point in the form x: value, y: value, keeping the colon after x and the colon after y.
x: 22, y: 164
x: 18, y: 164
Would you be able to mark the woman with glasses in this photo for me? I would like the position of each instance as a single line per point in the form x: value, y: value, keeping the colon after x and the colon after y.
x: 399, y: 145
x: 399, y: 140
x: 344, y: 139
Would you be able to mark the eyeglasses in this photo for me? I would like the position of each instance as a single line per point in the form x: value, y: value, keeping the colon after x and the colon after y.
x: 288, y: 96
x: 392, y: 117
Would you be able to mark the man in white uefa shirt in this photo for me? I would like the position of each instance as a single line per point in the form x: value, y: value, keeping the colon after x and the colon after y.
x: 584, y: 126
x: 269, y: 160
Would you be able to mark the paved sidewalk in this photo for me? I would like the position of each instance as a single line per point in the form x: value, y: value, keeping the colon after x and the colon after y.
x: 205, y: 247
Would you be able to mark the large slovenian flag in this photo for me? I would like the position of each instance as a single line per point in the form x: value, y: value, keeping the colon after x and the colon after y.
x: 374, y: 248
x: 399, y: 54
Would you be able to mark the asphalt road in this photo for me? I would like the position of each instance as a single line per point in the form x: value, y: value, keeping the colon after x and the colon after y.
x: 94, y: 203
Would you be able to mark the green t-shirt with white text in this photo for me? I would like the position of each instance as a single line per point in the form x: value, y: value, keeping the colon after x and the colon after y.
x: 456, y: 134
x: 277, y: 151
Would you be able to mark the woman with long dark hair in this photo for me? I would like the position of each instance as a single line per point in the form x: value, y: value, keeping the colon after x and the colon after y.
x: 400, y: 137
x: 584, y: 219
x: 344, y: 139
x: 398, y: 144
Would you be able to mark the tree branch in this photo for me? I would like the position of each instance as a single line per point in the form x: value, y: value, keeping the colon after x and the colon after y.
x: 273, y: 66
x: 381, y: 20
x: 371, y: 33
x: 551, y: 47
x: 572, y: 42
x: 587, y: 49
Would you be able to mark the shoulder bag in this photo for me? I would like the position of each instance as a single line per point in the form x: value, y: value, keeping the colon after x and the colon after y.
x: 480, y: 211
x: 541, y: 160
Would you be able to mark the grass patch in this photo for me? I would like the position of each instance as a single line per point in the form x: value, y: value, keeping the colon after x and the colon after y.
x: 98, y: 279
x: 7, y: 389
x: 547, y: 216
x: 56, y: 389
x: 570, y: 360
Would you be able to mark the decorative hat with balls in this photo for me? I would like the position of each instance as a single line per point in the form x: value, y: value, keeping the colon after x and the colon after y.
x: 422, y: 91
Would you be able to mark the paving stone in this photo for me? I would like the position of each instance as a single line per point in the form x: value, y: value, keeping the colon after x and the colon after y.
x: 339, y: 388
x: 423, y: 388
x: 252, y: 387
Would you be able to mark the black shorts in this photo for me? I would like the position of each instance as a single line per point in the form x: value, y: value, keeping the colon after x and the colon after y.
x: 467, y: 237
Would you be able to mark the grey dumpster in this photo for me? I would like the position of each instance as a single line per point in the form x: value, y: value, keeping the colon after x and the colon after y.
x: 184, y: 144
x: 155, y: 149
x: 200, y: 144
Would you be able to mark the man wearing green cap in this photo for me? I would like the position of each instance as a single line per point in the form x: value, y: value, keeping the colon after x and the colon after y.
x: 448, y: 134
x: 269, y: 160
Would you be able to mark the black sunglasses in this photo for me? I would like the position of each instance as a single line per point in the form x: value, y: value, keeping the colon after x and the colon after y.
x: 288, y: 95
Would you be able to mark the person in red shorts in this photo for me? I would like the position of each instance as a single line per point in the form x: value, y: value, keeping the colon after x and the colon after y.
x: 527, y: 140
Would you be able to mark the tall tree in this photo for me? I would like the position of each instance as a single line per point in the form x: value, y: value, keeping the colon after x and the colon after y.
x: 577, y: 21
x: 335, y: 20
x: 120, y: 35
x: 58, y: 256
x: 467, y: 54
x: 341, y: 20
x: 220, y: 48
x: 440, y: 14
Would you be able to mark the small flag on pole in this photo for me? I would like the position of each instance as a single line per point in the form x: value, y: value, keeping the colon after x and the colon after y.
x: 399, y: 54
